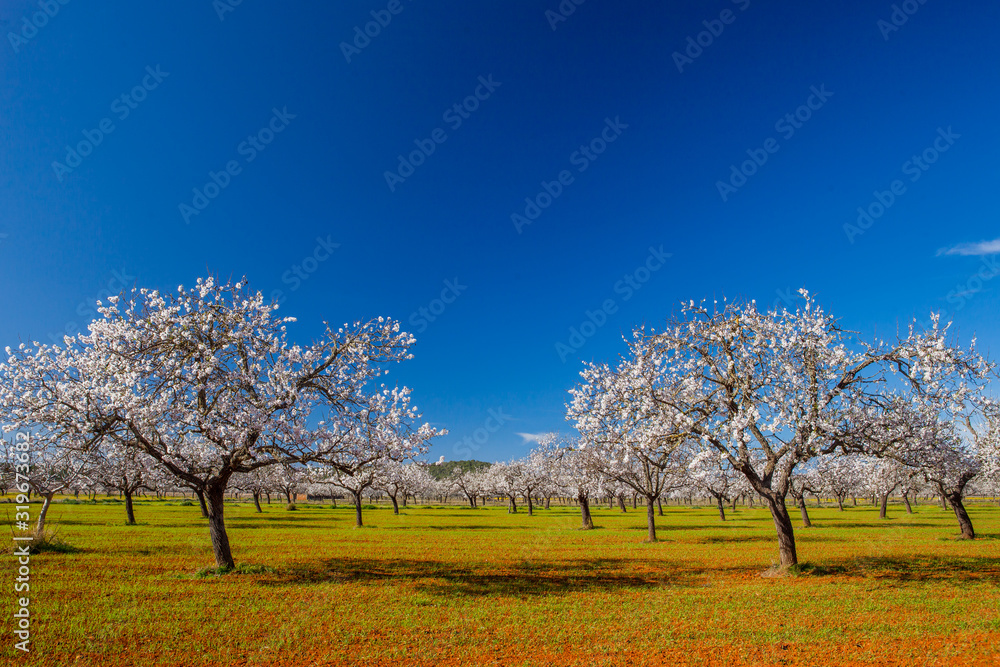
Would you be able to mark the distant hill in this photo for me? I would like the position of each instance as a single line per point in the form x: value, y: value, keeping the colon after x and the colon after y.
x: 445, y: 469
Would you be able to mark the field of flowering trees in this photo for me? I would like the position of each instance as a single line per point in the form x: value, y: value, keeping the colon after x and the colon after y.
x: 193, y: 408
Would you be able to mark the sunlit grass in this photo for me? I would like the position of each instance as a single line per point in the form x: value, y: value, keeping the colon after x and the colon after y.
x: 453, y: 585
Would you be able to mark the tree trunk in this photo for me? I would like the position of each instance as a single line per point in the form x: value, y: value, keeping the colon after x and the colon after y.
x: 547, y: 499
x: 512, y: 508
x: 472, y: 502
x: 395, y: 505
x: 734, y: 504
x: 531, y: 507
x: 651, y: 519
x: 587, y: 519
x: 621, y: 504
x: 722, y: 510
x: 358, y: 523
x: 659, y: 507
x: 944, y: 502
x: 201, y: 501
x: 882, y: 507
x: 40, y: 526
x: 906, y: 500
x: 840, y: 502
x: 215, y: 495
x: 786, y: 534
x: 964, y: 522
x: 256, y: 502
x: 129, y: 512
x: 806, y: 523
x: 635, y: 502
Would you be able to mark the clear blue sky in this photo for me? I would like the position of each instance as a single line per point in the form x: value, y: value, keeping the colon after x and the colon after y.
x: 672, y: 126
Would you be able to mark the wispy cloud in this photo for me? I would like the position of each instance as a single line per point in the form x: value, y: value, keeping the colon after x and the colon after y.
x: 530, y: 437
x: 972, y: 249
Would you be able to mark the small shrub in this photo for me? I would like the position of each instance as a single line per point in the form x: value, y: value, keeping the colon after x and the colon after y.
x: 48, y: 541
x: 291, y: 507
x: 186, y: 503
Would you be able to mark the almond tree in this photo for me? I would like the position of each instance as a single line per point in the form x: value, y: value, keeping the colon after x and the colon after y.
x: 637, y: 445
x: 946, y: 458
x: 579, y: 472
x: 395, y: 478
x: 50, y: 470
x: 121, y: 466
x: 206, y: 383
x: 471, y: 482
x: 504, y: 479
x: 384, y: 433
x: 713, y: 475
x: 772, y: 390
x: 840, y: 476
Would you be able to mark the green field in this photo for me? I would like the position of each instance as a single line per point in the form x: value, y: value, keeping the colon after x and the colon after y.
x: 454, y: 585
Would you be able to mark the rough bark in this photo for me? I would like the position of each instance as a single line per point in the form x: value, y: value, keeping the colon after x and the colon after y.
x: 805, y: 513
x: 659, y: 507
x: 358, y: 523
x: 786, y: 534
x: 201, y: 502
x: 964, y: 522
x: 906, y: 501
x: 722, y: 510
x: 256, y: 502
x: 531, y: 507
x: 586, y: 518
x: 650, y: 520
x: 215, y: 496
x: 621, y: 504
x: 129, y: 510
x: 512, y: 508
x: 40, y: 526
x: 882, y: 507
x: 395, y: 505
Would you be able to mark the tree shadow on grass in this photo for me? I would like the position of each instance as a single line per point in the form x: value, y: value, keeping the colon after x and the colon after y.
x: 528, y: 578
x: 469, y: 527
x: 953, y: 569
x: 878, y: 523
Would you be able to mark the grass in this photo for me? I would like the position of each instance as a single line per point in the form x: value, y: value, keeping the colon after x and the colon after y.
x: 456, y: 586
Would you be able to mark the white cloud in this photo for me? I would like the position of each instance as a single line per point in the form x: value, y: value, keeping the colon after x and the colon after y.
x: 531, y: 437
x: 972, y: 249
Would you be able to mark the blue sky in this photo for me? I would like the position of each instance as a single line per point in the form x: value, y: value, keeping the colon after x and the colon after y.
x: 622, y: 132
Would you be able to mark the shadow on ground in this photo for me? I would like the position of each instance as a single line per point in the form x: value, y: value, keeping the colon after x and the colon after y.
x: 528, y: 578
x: 959, y: 570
